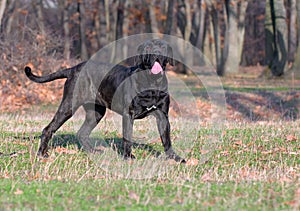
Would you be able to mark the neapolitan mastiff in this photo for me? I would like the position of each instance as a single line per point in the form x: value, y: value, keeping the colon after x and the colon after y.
x: 134, y: 92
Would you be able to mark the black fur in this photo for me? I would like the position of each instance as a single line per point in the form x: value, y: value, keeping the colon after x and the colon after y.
x: 133, y: 92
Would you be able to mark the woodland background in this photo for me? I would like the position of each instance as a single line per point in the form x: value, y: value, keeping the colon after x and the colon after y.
x: 257, y: 35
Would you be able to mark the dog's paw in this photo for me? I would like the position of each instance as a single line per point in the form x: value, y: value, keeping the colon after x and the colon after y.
x: 129, y: 156
x: 42, y: 155
x: 176, y: 157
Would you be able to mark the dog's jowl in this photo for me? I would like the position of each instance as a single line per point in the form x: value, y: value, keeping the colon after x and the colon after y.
x: 134, y: 92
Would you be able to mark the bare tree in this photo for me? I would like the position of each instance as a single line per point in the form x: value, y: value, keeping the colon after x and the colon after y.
x: 11, y: 11
x: 169, y: 21
x: 234, y: 37
x: 184, y: 18
x: 120, y: 19
x: 153, y: 21
x: 201, y: 30
x: 254, y: 39
x: 276, y: 37
x: 38, y: 7
x: 2, y: 9
x: 297, y: 56
x: 67, y: 45
x: 217, y: 35
x: 184, y: 23
x: 82, y: 30
x: 292, y: 40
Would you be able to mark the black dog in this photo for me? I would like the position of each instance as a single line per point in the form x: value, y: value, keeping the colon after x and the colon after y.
x: 134, y: 92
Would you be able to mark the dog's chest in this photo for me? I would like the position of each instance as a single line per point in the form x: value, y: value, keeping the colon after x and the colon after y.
x: 147, y: 102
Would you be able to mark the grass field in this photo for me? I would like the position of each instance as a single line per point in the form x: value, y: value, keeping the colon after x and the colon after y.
x: 255, y: 166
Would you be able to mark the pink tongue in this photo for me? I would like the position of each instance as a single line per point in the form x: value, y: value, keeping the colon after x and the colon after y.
x: 156, y: 68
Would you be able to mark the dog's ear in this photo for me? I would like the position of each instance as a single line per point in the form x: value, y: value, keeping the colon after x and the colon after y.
x: 170, y: 56
x: 138, y: 59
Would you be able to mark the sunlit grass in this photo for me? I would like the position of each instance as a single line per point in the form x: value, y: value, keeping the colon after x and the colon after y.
x: 252, y: 166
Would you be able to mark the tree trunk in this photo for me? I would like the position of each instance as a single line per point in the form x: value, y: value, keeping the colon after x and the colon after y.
x: 209, y: 45
x: 147, y: 17
x: 169, y: 21
x: 181, y: 17
x: 2, y: 9
x: 126, y: 26
x: 298, y: 21
x: 276, y: 37
x: 67, y: 45
x: 101, y: 24
x: 119, y: 28
x: 235, y: 35
x: 292, y: 41
x: 254, y: 44
x: 217, y: 40
x: 120, y: 19
x: 201, y: 31
x: 154, y: 25
x: 38, y: 6
x: 231, y: 60
x: 109, y: 36
x: 188, y: 26
x: 11, y: 10
x: 269, y: 33
x: 296, y: 66
x: 184, y: 21
x: 82, y: 30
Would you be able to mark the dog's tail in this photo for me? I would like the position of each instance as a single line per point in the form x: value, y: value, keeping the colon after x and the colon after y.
x: 65, y: 73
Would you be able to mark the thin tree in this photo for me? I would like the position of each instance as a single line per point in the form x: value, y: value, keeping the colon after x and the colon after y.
x: 67, y: 44
x: 297, y: 56
x: 292, y: 40
x: 2, y: 9
x: 234, y: 37
x: 169, y: 21
x: 82, y: 30
x: 276, y: 37
x: 38, y: 7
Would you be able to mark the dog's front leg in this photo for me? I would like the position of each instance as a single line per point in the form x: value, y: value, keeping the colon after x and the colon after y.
x: 163, y: 125
x: 127, y: 135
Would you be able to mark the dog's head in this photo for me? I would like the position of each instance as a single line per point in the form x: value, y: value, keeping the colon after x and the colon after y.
x: 154, y: 55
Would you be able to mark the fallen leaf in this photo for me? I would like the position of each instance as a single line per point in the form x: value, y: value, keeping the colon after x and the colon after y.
x: 290, y: 203
x: 224, y: 153
x: 267, y: 152
x: 192, y: 162
x: 18, y: 192
x: 239, y: 143
x: 65, y: 150
x: 203, y: 152
x: 291, y: 138
x: 206, y: 177
x: 134, y: 196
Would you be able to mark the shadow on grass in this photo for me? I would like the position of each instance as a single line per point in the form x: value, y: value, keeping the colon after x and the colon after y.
x: 116, y: 144
x: 257, y: 105
x: 261, y: 105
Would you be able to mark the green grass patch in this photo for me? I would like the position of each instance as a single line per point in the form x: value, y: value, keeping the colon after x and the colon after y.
x: 254, y: 166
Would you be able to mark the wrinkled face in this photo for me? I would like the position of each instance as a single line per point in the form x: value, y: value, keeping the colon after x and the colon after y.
x: 154, y: 56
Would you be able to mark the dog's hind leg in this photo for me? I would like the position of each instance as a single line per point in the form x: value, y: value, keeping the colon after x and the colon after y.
x: 94, y: 114
x: 63, y: 113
